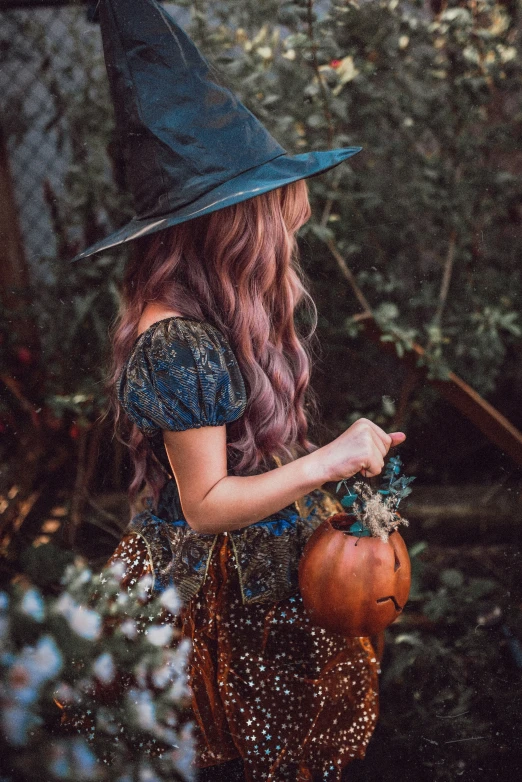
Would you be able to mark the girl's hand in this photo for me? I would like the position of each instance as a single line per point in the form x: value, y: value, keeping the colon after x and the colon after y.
x: 361, y: 448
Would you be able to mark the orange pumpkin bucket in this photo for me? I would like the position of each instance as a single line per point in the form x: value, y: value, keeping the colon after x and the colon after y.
x: 353, y: 585
x: 352, y: 582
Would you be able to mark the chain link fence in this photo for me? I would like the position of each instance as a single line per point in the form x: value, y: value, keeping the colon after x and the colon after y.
x: 35, y: 45
x: 39, y: 68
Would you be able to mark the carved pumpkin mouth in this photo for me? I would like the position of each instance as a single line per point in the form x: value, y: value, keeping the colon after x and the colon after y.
x: 395, y: 603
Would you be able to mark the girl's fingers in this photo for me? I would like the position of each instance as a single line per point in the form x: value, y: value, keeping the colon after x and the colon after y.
x: 397, y: 438
x: 381, y: 434
x: 379, y: 444
x: 374, y: 467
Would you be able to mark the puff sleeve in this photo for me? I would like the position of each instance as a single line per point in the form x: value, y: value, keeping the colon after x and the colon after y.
x: 181, y: 374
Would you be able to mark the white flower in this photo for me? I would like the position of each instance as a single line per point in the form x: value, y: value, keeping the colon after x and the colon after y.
x: 86, y: 623
x: 346, y: 72
x: 84, y: 761
x: 179, y: 691
x: 460, y: 14
x: 16, y: 721
x: 265, y: 52
x: 143, y: 708
x: 144, y: 585
x: 117, y: 569
x: 159, y: 635
x: 180, y: 657
x: 65, y: 605
x: 507, y: 53
x: 147, y: 774
x: 59, y: 765
x: 471, y: 54
x: 186, y: 754
x: 103, y: 668
x: 73, y: 570
x: 83, y: 577
x: 140, y: 674
x: 404, y: 41
x: 171, y: 600
x: 162, y: 676
x: 44, y: 661
x: 32, y: 605
x: 129, y: 629
x: 69, y: 573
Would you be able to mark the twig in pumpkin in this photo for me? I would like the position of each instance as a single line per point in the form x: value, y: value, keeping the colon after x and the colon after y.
x: 374, y: 513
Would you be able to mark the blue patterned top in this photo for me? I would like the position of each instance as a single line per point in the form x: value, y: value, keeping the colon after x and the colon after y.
x: 182, y: 374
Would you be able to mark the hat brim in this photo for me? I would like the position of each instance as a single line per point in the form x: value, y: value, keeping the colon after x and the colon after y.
x: 280, y: 171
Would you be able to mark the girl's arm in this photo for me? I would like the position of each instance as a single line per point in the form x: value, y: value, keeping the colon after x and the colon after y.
x: 214, y: 501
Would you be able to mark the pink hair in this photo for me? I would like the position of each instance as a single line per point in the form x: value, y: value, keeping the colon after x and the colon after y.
x: 236, y: 268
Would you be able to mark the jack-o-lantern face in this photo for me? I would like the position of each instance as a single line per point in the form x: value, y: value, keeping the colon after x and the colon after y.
x: 354, y: 586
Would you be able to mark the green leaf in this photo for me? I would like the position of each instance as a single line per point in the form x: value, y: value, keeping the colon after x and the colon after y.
x: 359, y: 530
x: 349, y: 499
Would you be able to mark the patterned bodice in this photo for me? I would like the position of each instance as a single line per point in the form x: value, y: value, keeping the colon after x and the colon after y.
x: 182, y: 374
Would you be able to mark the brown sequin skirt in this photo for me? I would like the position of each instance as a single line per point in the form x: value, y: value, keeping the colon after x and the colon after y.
x: 293, y: 701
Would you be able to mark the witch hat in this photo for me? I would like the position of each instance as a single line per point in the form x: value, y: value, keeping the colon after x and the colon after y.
x: 190, y: 146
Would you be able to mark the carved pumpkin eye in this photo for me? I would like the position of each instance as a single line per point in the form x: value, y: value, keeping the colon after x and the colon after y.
x: 397, y: 562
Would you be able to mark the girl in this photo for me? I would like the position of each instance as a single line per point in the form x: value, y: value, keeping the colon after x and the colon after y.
x: 211, y: 382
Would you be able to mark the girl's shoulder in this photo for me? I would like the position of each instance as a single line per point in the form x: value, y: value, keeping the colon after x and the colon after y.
x: 154, y: 313
x: 181, y: 373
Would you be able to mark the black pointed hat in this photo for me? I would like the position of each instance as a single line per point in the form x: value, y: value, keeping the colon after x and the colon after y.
x: 190, y: 146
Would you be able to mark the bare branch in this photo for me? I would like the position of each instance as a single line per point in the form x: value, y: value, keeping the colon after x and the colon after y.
x: 446, y: 277
x: 348, y: 275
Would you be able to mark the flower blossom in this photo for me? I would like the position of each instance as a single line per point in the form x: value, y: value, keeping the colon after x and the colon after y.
x: 159, y: 635
x: 32, y: 605
x: 86, y: 623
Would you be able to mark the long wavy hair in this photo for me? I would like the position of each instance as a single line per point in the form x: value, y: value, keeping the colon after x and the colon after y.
x: 238, y: 269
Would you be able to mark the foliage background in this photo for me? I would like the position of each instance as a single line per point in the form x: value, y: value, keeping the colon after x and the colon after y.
x: 427, y: 218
